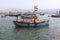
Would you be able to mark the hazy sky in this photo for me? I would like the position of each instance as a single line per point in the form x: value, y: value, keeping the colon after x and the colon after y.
x: 28, y: 4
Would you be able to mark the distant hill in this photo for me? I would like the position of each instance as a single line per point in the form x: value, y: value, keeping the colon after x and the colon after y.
x: 30, y: 10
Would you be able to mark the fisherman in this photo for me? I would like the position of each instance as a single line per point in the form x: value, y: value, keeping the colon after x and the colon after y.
x: 34, y: 18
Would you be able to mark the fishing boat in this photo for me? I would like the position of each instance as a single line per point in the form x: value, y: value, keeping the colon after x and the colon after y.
x: 34, y: 22
x: 28, y: 24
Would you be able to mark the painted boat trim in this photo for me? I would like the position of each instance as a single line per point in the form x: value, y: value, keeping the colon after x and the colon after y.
x: 30, y: 25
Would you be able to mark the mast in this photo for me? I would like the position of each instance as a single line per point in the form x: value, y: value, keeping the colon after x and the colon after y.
x: 35, y: 9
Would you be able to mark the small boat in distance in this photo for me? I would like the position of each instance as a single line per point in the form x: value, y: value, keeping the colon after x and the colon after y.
x: 56, y: 15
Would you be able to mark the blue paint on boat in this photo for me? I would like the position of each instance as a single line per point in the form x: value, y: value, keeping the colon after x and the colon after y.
x: 45, y: 23
x: 30, y: 25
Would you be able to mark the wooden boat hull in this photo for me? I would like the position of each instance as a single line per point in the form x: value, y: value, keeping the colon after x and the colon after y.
x: 30, y: 25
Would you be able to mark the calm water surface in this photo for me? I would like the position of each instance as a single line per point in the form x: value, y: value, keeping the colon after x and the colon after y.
x: 8, y: 31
